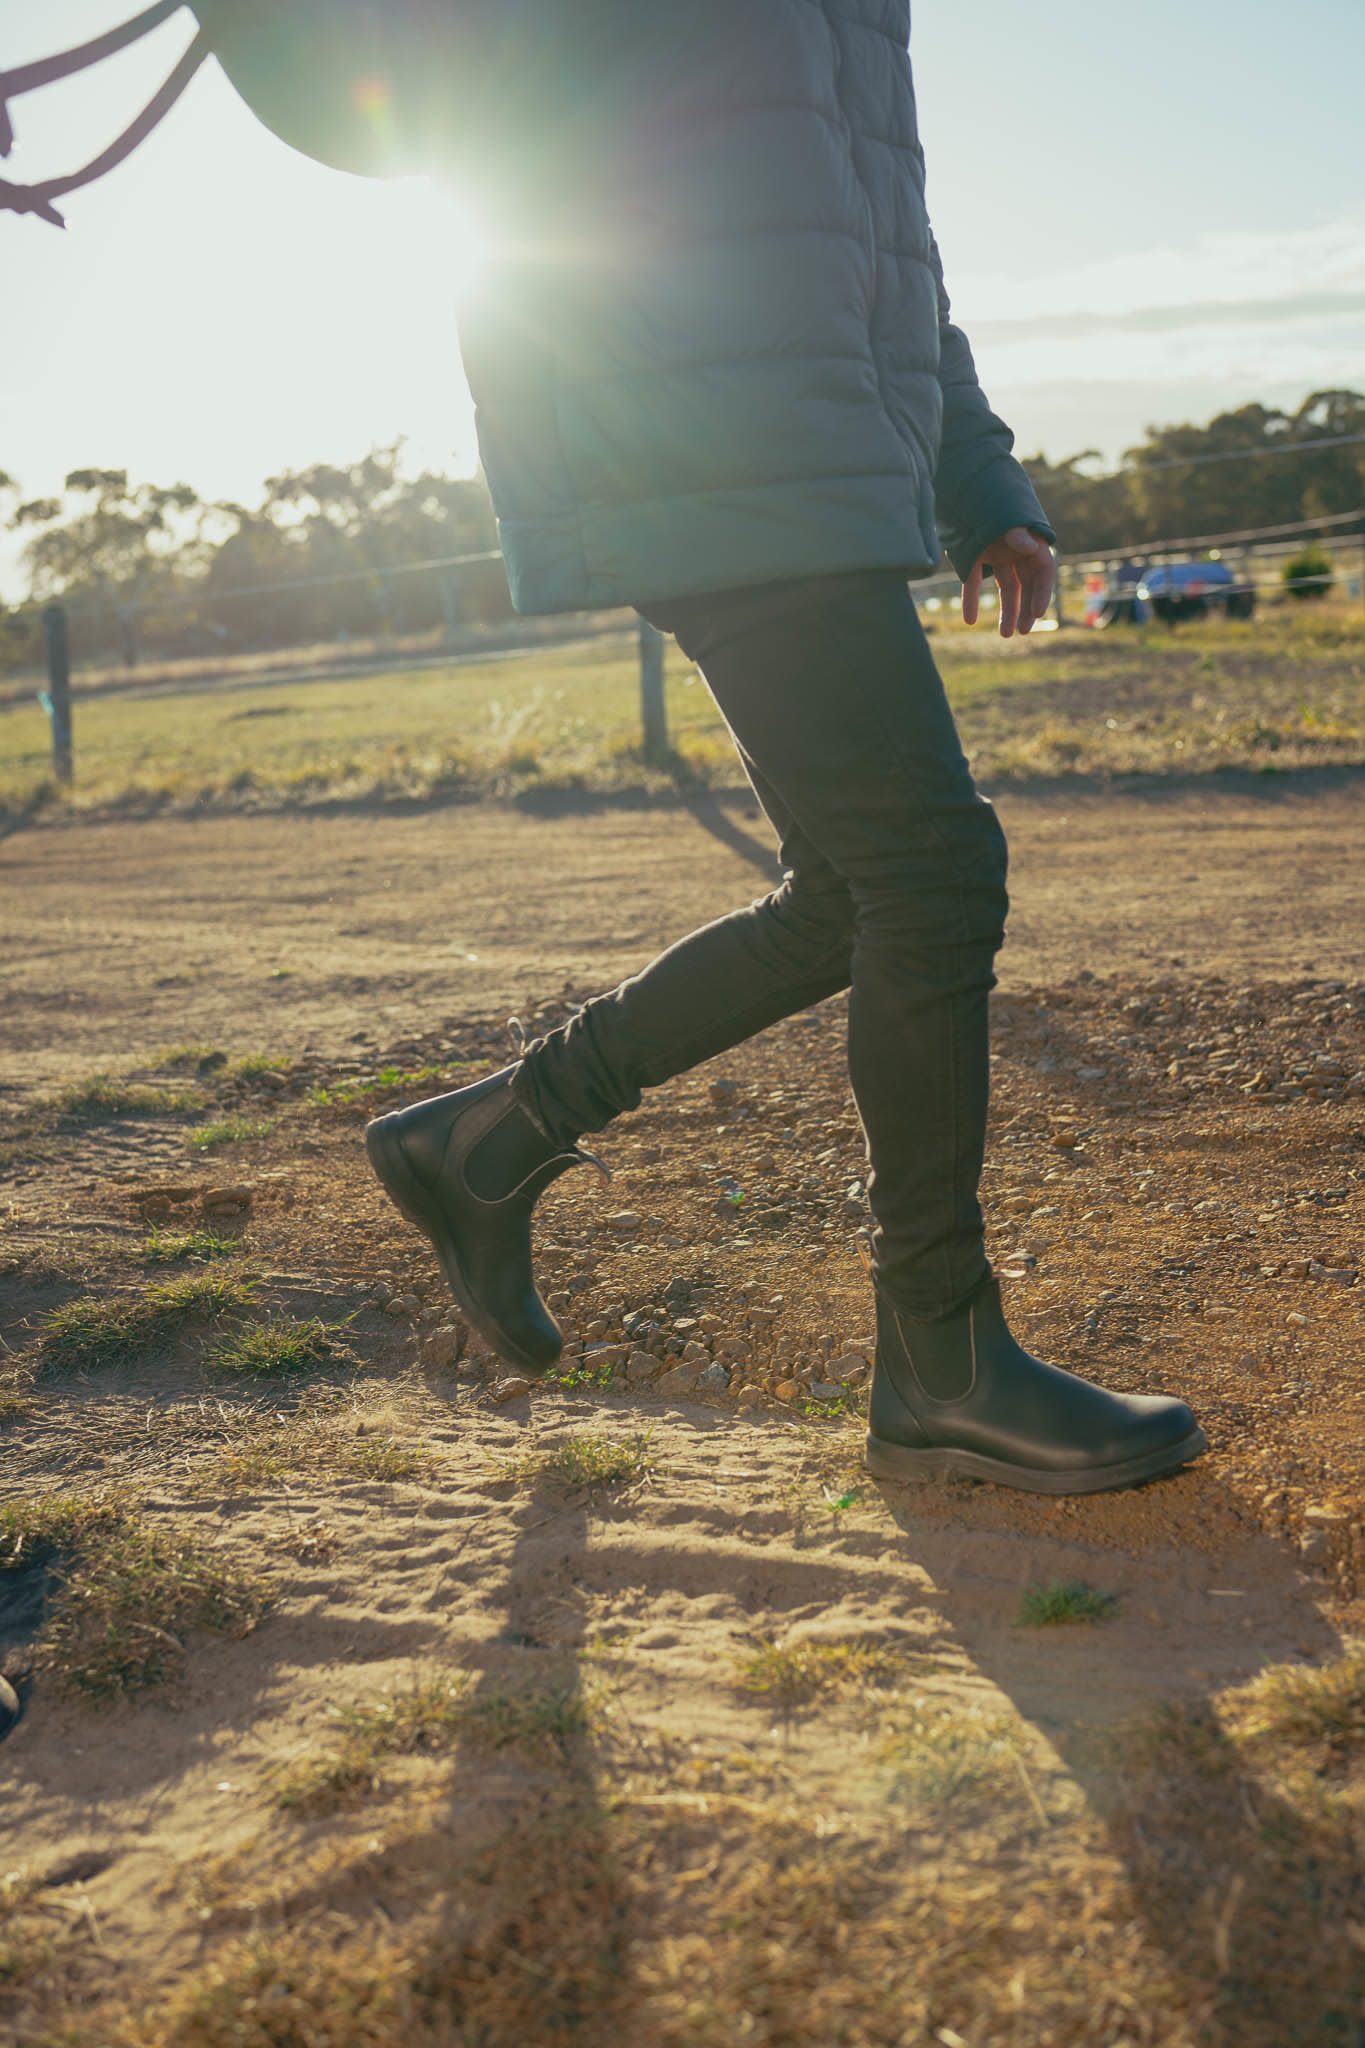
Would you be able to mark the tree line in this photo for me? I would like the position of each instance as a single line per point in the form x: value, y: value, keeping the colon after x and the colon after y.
x: 156, y: 569
x: 146, y: 569
x: 1273, y: 468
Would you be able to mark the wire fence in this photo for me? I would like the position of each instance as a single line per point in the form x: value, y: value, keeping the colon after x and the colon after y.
x: 1097, y: 590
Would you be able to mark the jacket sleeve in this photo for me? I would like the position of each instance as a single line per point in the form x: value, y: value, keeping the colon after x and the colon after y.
x: 979, y: 488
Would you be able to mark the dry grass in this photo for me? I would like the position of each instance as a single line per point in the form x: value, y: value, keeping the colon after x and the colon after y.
x: 123, y: 1595
x: 319, y: 1438
x: 102, y: 1097
x: 587, y: 1463
x: 89, y: 1332
x: 1287, y: 691
x: 544, y: 1725
x: 793, y: 1674
x: 425, y: 1718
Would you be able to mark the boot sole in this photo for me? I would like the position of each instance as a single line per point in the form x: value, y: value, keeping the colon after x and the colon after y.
x: 408, y: 1196
x: 898, y: 1462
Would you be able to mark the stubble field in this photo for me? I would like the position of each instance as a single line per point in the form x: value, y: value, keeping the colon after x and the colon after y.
x: 371, y: 1695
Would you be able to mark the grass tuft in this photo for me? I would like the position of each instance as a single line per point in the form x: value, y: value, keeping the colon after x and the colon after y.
x: 794, y: 1673
x: 544, y: 1725
x: 315, y: 1438
x: 940, y: 1754
x: 177, y: 1247
x: 1305, y: 1703
x: 365, y: 1091
x: 425, y: 1718
x: 582, y: 1464
x: 102, y: 1097
x: 268, y: 1350
x: 229, y: 1130
x: 123, y: 1594
x: 89, y: 1332
x: 16, y: 1403
x: 1062, y: 1600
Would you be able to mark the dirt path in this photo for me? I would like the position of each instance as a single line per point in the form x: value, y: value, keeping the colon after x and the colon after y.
x: 281, y: 932
x: 625, y: 1707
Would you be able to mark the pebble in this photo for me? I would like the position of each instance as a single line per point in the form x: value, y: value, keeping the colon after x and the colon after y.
x: 787, y: 1390
x: 641, y: 1365
x: 624, y: 1220
x: 509, y: 1389
x: 1295, y: 1317
x: 825, y: 1390
x: 695, y: 1353
x: 751, y: 1397
x: 714, y: 1377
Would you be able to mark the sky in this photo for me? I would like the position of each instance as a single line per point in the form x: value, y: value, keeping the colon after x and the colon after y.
x: 1146, y: 216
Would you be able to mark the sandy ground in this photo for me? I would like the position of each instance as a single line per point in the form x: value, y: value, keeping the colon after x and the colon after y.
x: 283, y: 932
x: 1162, y: 1191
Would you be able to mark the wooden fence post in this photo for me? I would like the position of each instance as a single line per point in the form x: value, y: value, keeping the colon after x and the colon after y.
x: 653, y: 712
x: 59, y: 689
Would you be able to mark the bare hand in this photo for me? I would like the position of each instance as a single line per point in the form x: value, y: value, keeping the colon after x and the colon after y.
x: 1023, y: 572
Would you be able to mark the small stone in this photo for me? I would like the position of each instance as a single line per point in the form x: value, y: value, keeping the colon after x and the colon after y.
x: 649, y: 1155
x: 723, y: 1093
x: 714, y: 1377
x: 681, y: 1379
x: 685, y: 1327
x: 624, y: 1220
x: 641, y: 1365
x: 1296, y: 1318
x: 442, y: 1348
x: 1314, y: 1545
x: 1342, y: 1276
x: 695, y: 1353
x: 751, y: 1397
x: 1297, y: 1269
x: 1327, y: 1518
x: 824, y: 1390
x: 787, y: 1390
x: 509, y: 1389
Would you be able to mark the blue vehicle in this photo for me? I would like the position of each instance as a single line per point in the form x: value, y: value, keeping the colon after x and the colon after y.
x: 1189, y: 590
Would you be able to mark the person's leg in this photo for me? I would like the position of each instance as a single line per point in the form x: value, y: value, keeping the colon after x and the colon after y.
x: 837, y: 708
x: 711, y: 990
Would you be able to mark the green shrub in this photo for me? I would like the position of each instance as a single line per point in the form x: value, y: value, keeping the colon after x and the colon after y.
x: 1309, y: 572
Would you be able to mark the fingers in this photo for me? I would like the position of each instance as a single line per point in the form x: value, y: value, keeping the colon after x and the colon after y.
x: 1007, y: 583
x: 1023, y: 569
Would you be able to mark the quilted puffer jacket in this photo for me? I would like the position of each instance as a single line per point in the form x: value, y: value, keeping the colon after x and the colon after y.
x: 714, y: 348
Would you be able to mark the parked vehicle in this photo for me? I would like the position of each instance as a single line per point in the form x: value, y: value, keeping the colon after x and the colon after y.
x: 1131, y: 594
x: 1189, y: 590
